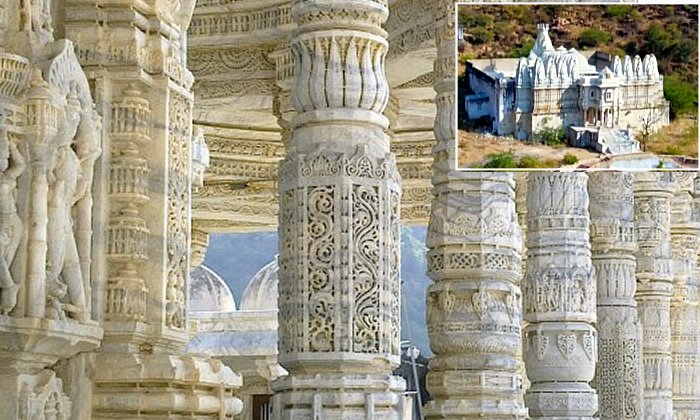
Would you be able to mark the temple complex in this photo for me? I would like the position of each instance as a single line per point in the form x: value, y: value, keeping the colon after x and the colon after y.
x: 131, y: 130
x: 600, y: 100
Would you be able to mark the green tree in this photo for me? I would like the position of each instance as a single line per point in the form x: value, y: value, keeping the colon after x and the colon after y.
x: 481, y: 35
x: 683, y: 96
x: 617, y: 10
x: 592, y: 37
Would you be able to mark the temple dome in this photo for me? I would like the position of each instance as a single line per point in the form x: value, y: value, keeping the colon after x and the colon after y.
x: 261, y: 292
x: 209, y: 292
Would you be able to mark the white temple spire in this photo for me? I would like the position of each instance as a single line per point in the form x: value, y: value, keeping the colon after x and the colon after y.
x: 542, y: 43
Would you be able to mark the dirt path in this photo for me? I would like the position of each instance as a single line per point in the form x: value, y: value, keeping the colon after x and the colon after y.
x: 474, y: 148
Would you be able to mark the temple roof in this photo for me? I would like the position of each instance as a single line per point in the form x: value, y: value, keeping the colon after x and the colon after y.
x: 208, y: 292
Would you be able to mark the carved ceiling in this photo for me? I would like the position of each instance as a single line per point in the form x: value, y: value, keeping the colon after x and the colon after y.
x: 236, y: 51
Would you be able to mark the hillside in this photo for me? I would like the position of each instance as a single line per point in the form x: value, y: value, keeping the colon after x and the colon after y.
x: 237, y: 257
x: 670, y: 32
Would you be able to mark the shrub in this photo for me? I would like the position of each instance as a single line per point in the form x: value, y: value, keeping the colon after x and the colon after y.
x: 481, y: 35
x: 550, y: 136
x: 501, y: 160
x: 592, y: 37
x: 521, y: 51
x: 529, y: 161
x: 672, y: 150
x: 617, y: 10
x: 502, y: 30
x: 569, y: 159
x: 660, y: 40
x: 483, y: 20
x: 682, y: 95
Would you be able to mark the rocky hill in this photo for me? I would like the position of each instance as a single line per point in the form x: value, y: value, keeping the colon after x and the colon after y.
x: 668, y: 31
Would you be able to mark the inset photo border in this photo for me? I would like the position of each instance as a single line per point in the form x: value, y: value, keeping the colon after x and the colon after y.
x: 576, y: 86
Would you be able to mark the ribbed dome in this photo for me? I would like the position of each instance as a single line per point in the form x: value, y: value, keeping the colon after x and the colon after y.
x: 209, y: 292
x: 261, y: 293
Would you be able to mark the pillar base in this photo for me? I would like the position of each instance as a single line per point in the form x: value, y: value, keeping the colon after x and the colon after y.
x: 28, y: 347
x: 562, y: 401
x: 336, y: 397
x: 147, y: 386
x: 658, y: 405
x: 460, y: 394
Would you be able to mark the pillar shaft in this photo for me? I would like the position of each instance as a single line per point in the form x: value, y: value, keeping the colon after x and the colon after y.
x: 618, y: 378
x: 685, y: 336
x: 473, y: 307
x: 339, y: 228
x: 136, y: 57
x: 653, y: 192
x: 559, y: 294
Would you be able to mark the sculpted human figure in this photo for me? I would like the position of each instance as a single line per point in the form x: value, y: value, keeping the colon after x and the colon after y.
x: 41, y: 18
x: 66, y: 187
x: 12, y: 165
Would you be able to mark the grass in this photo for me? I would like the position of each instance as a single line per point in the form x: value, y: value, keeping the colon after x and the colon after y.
x: 680, y: 138
x: 508, y: 160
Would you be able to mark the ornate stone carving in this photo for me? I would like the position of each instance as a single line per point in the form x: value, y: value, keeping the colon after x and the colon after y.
x: 618, y: 378
x: 685, y: 339
x: 339, y: 192
x: 559, y: 298
x: 12, y: 165
x: 474, y: 306
x: 652, y: 193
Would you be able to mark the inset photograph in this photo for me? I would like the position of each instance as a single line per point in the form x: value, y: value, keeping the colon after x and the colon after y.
x: 577, y: 86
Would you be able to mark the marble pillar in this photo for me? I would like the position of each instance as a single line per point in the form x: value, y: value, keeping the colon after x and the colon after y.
x: 652, y: 201
x: 49, y: 142
x: 618, y: 378
x: 685, y: 335
x: 136, y: 58
x: 559, y: 298
x: 339, y: 227
x: 474, y: 305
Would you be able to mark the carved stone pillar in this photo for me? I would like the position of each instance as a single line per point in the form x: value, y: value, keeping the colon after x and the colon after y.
x: 474, y: 243
x: 339, y: 193
x: 48, y: 147
x: 618, y: 380
x: 559, y: 293
x: 685, y: 335
x: 136, y: 56
x: 521, y: 210
x: 652, y: 194
x: 474, y: 306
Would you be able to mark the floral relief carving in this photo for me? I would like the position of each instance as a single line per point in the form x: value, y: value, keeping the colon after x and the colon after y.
x: 541, y: 343
x: 178, y: 198
x: 566, y: 343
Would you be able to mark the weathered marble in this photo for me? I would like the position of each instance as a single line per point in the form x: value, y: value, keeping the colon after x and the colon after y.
x: 653, y: 192
x: 474, y: 306
x: 685, y: 336
x: 618, y: 379
x: 559, y: 298
x: 339, y: 290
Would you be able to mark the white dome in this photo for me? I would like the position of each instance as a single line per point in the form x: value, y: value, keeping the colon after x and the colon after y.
x: 261, y: 292
x: 209, y: 292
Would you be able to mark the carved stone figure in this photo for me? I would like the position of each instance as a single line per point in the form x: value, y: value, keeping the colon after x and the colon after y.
x: 12, y: 165
x: 67, y: 186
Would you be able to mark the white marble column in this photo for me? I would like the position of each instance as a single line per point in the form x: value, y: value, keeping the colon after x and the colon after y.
x: 652, y: 200
x: 559, y: 298
x: 339, y: 228
x: 474, y: 305
x: 685, y: 334
x: 136, y: 58
x: 474, y: 242
x: 618, y: 380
